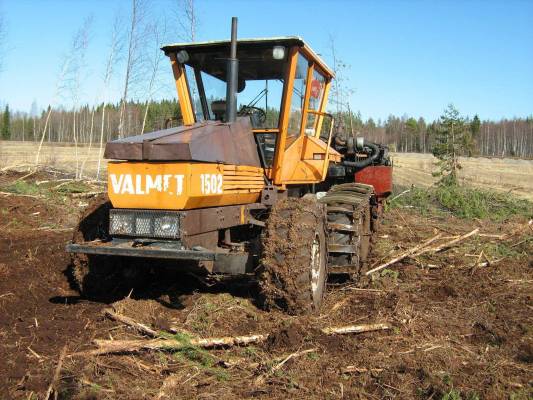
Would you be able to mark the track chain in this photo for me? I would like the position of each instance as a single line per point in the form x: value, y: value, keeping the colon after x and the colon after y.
x: 350, y: 211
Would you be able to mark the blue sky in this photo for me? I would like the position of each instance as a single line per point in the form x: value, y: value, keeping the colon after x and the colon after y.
x: 405, y: 57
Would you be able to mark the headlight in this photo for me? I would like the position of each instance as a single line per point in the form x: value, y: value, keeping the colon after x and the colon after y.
x: 144, y: 223
x: 121, y: 224
x: 278, y: 53
x: 182, y: 56
x: 166, y: 226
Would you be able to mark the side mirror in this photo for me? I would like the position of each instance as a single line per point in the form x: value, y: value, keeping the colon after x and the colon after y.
x: 359, y: 143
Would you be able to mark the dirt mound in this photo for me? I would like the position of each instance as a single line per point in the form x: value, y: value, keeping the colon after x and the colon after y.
x: 288, y: 337
x: 148, y: 312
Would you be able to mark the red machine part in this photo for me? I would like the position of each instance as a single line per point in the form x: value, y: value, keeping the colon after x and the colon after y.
x: 379, y: 176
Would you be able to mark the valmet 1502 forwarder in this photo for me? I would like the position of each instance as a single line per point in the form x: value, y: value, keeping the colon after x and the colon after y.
x: 255, y: 181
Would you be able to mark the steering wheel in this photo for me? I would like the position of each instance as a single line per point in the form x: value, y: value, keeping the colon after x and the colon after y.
x: 254, y: 112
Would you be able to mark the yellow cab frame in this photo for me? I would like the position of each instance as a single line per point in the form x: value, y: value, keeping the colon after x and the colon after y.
x: 305, y: 158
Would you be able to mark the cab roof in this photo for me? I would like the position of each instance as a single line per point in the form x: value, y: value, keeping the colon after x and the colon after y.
x: 244, y: 44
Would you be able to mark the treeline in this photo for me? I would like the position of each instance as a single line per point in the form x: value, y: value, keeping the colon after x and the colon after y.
x: 504, y: 138
x: 85, y: 124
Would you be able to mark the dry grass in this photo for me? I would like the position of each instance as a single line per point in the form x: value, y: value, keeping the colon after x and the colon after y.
x: 503, y: 175
x: 58, y: 155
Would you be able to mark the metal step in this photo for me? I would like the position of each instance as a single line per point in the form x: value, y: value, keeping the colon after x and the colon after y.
x: 333, y: 226
x: 342, y: 269
x: 342, y: 248
x: 339, y: 209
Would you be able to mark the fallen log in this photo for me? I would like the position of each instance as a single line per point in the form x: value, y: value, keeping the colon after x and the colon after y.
x: 343, y: 330
x: 130, y: 346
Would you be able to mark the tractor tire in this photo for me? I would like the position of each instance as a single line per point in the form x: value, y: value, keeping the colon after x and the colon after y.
x: 94, y: 275
x: 292, y: 272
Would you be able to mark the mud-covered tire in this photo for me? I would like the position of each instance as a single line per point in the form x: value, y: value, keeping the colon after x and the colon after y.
x: 94, y: 275
x: 292, y: 272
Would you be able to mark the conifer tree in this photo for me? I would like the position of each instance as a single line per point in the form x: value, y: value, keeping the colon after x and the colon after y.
x: 450, y: 142
x: 6, y: 124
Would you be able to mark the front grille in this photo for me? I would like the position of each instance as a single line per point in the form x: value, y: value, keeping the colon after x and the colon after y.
x: 144, y: 223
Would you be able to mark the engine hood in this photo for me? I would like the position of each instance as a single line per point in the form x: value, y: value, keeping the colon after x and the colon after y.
x: 210, y: 141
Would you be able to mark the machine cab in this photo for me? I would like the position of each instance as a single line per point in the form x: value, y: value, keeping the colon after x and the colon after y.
x: 282, y: 86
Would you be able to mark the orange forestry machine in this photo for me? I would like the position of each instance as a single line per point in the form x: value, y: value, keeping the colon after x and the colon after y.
x: 257, y: 180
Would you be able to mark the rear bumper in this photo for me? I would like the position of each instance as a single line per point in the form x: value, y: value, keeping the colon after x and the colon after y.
x: 222, y: 262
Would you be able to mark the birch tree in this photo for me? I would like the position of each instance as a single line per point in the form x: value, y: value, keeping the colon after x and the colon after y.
x: 2, y: 40
x: 114, y: 50
x: 133, y: 57
x: 73, y: 78
x: 340, y: 91
x: 187, y: 18
x: 154, y: 62
x: 68, y: 81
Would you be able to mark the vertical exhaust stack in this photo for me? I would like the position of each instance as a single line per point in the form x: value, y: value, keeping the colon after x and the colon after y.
x: 232, y: 75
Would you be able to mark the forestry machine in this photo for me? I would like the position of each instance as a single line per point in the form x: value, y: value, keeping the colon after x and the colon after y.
x: 259, y: 179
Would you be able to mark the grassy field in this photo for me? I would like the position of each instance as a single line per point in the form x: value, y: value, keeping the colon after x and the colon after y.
x: 61, y: 156
x: 500, y: 174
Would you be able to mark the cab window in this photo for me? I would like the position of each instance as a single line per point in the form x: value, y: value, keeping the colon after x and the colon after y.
x: 318, y: 83
x: 260, y: 84
x: 297, y: 100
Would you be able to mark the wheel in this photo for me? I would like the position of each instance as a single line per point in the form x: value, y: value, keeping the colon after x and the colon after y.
x: 94, y: 275
x: 292, y: 272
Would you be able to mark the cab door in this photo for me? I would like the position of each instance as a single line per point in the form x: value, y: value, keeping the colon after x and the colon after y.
x: 302, y: 154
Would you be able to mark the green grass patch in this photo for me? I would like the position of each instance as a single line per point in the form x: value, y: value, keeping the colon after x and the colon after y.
x: 23, y: 187
x: 73, y: 187
x: 194, y: 355
x: 500, y: 250
x: 464, y: 202
x: 456, y: 395
x: 390, y: 273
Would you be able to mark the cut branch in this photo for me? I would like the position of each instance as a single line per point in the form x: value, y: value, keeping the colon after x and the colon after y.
x: 405, y: 254
x: 450, y: 243
x: 261, y: 379
x: 352, y: 368
x: 130, y: 346
x: 424, y: 248
x: 56, y: 373
x: 145, y: 330
x: 342, y: 330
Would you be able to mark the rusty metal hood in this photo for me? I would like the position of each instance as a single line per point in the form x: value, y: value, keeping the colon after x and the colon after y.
x: 210, y: 141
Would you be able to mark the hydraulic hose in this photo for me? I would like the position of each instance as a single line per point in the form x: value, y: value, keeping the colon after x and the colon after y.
x: 367, y: 161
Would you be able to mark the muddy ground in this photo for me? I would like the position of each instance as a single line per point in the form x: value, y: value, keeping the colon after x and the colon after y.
x: 459, y: 330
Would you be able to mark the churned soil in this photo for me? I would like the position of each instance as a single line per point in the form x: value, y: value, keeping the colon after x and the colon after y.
x: 458, y: 328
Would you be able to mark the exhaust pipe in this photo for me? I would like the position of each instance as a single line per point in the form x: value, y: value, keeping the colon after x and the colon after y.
x: 232, y: 75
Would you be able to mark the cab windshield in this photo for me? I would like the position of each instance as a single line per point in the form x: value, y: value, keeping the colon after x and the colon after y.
x: 260, y: 84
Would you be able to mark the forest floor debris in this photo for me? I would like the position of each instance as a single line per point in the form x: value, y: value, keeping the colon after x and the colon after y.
x: 456, y: 330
